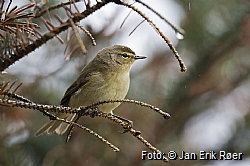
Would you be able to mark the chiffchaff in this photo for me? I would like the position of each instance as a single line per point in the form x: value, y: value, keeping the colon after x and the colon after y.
x: 106, y: 77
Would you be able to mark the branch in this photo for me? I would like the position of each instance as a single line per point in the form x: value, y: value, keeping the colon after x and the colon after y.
x: 87, y: 111
x: 21, y: 52
x: 24, y: 47
x: 44, y: 109
x: 164, y: 114
x: 177, y: 30
x: 177, y: 56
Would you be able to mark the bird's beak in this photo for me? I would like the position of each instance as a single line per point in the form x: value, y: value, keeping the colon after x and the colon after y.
x: 140, y: 57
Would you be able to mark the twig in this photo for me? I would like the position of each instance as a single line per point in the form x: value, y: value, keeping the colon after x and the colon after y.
x: 53, y: 8
x: 113, y: 147
x: 44, y: 108
x: 132, y: 131
x: 181, y: 63
x: 126, y: 18
x: 164, y: 114
x: 49, y: 35
x: 136, y: 27
x: 177, y: 30
x: 84, y: 111
x: 87, y: 33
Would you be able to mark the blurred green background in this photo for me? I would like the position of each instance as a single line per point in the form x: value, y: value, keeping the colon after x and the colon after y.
x: 209, y: 104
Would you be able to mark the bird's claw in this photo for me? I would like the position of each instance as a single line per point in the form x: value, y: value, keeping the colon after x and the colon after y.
x: 94, y: 112
x: 127, y: 127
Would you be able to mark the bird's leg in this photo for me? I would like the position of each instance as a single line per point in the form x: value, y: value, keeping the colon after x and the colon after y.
x: 129, y: 122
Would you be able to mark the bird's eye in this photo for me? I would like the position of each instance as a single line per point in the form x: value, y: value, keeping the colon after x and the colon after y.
x: 125, y: 55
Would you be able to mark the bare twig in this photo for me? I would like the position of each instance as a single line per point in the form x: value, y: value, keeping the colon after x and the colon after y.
x: 126, y: 18
x: 136, y: 27
x: 177, y: 30
x: 133, y: 132
x: 181, y: 63
x: 164, y: 114
x: 82, y: 111
x: 113, y: 147
x: 44, y: 108
x: 87, y: 33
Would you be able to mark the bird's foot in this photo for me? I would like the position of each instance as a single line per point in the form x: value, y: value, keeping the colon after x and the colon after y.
x: 128, y: 127
x: 92, y: 112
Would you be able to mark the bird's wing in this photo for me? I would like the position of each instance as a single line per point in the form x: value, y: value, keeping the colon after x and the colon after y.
x: 82, y: 80
x: 71, y: 90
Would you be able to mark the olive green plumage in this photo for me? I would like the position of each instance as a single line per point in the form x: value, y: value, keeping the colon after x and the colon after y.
x: 105, y: 77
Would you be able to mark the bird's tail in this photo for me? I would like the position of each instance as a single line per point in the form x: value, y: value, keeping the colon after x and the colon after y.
x: 56, y: 126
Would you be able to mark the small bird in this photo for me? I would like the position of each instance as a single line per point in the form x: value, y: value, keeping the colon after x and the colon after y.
x: 106, y: 77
